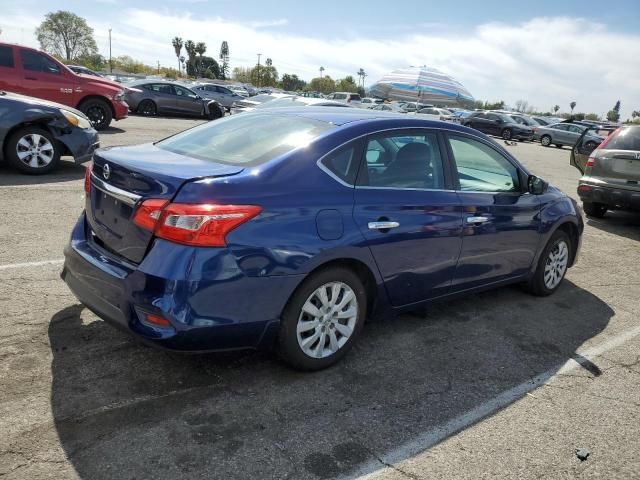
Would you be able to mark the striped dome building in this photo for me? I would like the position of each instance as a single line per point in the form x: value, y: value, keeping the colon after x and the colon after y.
x: 422, y: 84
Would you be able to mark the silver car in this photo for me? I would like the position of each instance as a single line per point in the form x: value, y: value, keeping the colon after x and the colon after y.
x: 152, y: 97
x: 560, y: 134
x: 223, y: 95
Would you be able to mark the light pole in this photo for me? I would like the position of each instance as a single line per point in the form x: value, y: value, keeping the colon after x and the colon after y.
x: 110, y: 62
x: 259, y: 55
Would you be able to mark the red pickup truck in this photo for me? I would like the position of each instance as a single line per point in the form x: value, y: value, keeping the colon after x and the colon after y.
x: 31, y: 72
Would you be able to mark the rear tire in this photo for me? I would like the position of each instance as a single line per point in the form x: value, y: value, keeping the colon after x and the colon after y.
x: 545, y: 140
x: 147, y: 108
x: 593, y: 209
x: 552, y: 266
x: 33, y: 151
x: 98, y: 111
x: 318, y: 329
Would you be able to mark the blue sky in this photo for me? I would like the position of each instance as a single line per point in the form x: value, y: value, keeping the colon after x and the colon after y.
x: 546, y: 52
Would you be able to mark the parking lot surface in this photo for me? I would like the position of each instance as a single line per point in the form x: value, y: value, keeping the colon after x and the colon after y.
x: 496, y: 385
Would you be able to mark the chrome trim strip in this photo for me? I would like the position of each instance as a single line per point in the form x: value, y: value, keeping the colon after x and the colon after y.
x: 122, y: 195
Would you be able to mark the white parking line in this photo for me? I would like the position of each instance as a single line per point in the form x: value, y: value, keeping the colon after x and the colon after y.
x: 11, y: 266
x: 428, y: 439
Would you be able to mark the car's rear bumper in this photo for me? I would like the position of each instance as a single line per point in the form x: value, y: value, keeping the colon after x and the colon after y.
x: 612, y: 197
x: 210, y: 304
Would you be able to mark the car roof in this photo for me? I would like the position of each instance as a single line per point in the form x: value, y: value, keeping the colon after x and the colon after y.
x: 342, y: 116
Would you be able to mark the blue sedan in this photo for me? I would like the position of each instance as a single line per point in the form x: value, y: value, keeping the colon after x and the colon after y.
x: 288, y: 228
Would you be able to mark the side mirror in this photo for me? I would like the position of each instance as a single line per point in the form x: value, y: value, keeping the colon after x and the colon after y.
x: 536, y: 185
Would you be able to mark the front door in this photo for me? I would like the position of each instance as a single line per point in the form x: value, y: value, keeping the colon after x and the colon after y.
x: 501, y: 221
x: 188, y: 102
x: 409, y: 216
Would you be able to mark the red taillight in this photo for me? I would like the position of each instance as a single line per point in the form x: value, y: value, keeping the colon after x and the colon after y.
x: 87, y: 178
x: 192, y: 224
x: 148, y: 213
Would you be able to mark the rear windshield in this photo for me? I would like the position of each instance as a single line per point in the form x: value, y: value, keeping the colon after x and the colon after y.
x: 247, y: 139
x: 627, y: 138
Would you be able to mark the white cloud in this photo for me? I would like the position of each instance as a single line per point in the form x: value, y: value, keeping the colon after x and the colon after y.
x: 546, y: 61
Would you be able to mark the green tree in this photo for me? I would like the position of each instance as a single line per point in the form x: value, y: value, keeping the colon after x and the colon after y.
x: 613, y: 115
x: 292, y: 82
x: 572, y: 105
x: 224, y: 60
x: 67, y: 35
x: 177, y: 48
x: 322, y: 84
x: 346, y: 84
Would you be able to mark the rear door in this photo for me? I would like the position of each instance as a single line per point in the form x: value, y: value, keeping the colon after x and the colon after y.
x: 10, y: 78
x: 409, y: 216
x: 44, y: 78
x: 500, y: 220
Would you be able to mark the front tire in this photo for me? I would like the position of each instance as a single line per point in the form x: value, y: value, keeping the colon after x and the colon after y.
x: 552, y: 266
x: 323, y: 319
x: 593, y: 209
x: 33, y: 151
x: 507, y: 134
x: 97, y: 111
x: 545, y: 140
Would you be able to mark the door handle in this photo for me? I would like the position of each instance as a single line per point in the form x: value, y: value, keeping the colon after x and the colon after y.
x: 383, y: 225
x: 477, y: 220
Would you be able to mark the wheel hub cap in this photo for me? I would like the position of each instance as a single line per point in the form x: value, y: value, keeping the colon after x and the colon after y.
x: 327, y: 320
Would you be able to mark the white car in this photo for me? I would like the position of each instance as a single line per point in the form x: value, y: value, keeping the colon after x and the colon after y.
x: 346, y: 97
x: 369, y: 102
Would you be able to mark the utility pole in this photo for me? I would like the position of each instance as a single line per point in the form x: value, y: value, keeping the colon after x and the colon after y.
x: 110, y: 62
x: 259, y: 55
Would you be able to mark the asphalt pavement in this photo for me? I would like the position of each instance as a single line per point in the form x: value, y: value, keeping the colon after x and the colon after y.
x: 496, y: 385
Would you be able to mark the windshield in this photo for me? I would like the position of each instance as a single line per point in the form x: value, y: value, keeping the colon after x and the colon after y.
x: 249, y: 139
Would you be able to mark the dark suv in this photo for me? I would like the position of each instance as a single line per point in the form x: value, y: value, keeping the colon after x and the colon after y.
x: 499, y: 124
x: 611, y: 172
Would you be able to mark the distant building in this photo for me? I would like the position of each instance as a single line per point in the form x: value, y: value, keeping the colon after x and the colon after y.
x: 422, y: 84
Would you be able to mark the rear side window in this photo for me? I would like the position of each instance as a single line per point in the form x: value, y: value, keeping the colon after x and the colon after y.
x: 6, y: 57
x: 343, y: 163
x: 627, y: 138
x: 400, y: 161
x: 36, y: 62
x: 247, y: 139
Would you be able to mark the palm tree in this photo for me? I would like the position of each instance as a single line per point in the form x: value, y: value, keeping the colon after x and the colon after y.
x: 321, y: 70
x: 360, y: 73
x: 556, y: 108
x: 177, y: 46
x: 201, y: 47
x: 572, y: 105
x: 224, y: 59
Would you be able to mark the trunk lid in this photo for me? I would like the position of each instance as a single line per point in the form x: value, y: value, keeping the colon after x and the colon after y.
x: 122, y: 177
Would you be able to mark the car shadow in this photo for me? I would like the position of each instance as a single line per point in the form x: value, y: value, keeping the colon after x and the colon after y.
x: 123, y: 410
x: 66, y: 171
x: 618, y: 222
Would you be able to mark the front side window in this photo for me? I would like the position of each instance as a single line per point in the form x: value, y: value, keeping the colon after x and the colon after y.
x: 247, y: 139
x: 6, y: 57
x: 409, y: 160
x: 36, y: 62
x: 481, y: 168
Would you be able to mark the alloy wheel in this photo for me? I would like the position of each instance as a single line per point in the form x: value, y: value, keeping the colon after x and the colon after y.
x: 35, y: 150
x: 556, y: 264
x: 327, y: 320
